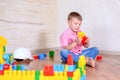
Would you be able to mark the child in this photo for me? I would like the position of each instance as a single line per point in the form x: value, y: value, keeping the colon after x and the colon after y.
x: 22, y: 56
x: 71, y: 44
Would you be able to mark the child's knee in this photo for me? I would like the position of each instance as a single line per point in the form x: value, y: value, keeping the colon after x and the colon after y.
x: 96, y: 50
x: 64, y: 52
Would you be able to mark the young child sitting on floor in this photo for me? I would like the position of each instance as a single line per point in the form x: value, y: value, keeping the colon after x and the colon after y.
x: 71, y: 43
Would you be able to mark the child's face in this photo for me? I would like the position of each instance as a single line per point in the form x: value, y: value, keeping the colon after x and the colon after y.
x: 74, y: 24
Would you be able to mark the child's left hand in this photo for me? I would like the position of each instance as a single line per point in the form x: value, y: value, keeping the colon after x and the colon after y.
x: 87, y: 42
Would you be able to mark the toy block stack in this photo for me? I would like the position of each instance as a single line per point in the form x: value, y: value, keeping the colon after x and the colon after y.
x: 3, y: 43
x: 8, y: 58
x: 82, y: 67
x: 49, y: 72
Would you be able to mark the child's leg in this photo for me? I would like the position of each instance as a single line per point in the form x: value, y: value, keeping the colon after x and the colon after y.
x: 90, y: 54
x: 64, y: 54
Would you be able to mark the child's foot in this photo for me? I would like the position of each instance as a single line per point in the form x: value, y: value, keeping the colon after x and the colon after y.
x: 90, y: 62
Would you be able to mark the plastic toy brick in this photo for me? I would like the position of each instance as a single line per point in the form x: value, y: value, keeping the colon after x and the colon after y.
x: 99, y: 58
x: 14, y: 67
x: 6, y: 66
x: 70, y: 74
x: 51, y: 54
x: 3, y: 41
x: 70, y: 60
x: 1, y: 72
x: 1, y: 66
x: 70, y: 68
x: 36, y: 57
x: 42, y: 56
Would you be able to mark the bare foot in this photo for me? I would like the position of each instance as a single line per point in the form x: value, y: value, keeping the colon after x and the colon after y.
x: 90, y: 62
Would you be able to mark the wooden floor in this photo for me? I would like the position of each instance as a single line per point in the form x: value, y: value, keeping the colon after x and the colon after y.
x: 107, y: 69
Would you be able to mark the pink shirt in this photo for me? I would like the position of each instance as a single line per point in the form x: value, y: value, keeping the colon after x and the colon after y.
x: 68, y: 37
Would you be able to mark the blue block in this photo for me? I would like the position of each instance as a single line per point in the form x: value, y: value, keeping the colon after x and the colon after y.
x: 23, y: 67
x: 55, y: 67
x: 1, y: 66
x: 62, y: 68
x: 7, y: 61
x: 70, y: 68
x: 58, y: 67
x: 14, y: 67
x: 6, y: 56
x: 42, y: 56
x: 83, y: 77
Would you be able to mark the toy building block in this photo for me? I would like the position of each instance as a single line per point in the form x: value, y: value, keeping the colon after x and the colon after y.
x: 51, y: 54
x: 83, y: 37
x: 99, y: 58
x: 36, y: 57
x: 69, y: 60
x: 70, y: 74
x: 3, y: 41
x: 71, y: 68
x: 1, y: 72
x: 48, y: 70
x: 42, y: 56
x: 6, y: 66
x: 37, y: 74
x: 18, y: 67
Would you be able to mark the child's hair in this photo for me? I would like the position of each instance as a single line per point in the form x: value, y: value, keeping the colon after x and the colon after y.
x: 74, y: 15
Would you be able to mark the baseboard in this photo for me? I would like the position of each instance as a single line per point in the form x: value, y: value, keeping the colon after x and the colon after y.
x: 45, y: 50
x: 109, y: 52
x: 58, y: 49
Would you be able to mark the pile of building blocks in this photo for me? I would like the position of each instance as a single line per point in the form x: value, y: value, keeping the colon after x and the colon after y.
x: 68, y: 71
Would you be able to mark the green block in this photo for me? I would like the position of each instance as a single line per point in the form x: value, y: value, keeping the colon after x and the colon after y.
x: 18, y: 67
x: 4, y: 48
x: 37, y: 74
x: 69, y: 78
x: 85, y: 67
x: 51, y: 53
x: 77, y: 65
x: 81, y: 72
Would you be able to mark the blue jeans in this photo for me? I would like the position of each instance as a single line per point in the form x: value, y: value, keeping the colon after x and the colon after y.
x: 89, y: 52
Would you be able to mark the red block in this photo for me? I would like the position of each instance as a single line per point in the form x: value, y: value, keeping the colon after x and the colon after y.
x: 99, y: 58
x: 6, y: 66
x: 70, y: 74
x: 70, y: 60
x: 36, y: 57
x: 84, y: 39
x: 1, y: 72
x: 48, y: 71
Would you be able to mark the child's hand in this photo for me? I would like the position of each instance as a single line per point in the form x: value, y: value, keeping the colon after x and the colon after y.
x: 78, y: 40
x: 86, y: 43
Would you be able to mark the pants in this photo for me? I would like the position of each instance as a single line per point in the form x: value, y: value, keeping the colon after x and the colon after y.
x: 89, y: 52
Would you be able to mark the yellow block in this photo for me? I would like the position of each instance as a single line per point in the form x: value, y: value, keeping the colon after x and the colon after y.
x: 76, y: 75
x: 3, y: 41
x: 81, y: 34
x: 1, y: 49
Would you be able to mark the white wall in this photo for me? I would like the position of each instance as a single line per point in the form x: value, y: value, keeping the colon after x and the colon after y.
x: 28, y: 23
x: 101, y: 21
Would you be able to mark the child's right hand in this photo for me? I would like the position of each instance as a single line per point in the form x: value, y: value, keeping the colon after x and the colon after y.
x: 78, y: 40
